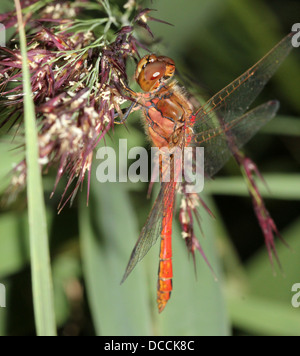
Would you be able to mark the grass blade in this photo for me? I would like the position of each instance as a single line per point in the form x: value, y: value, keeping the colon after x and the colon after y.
x: 261, y: 316
x: 262, y: 283
x: 280, y: 186
x: 40, y: 260
x: 107, y: 232
x: 283, y: 125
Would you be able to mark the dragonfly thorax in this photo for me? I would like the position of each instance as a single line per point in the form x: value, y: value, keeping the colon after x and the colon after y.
x: 165, y: 107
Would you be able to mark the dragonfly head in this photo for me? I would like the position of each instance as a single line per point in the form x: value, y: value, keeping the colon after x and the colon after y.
x: 152, y: 71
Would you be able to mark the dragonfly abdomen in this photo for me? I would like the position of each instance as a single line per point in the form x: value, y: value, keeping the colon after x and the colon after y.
x: 165, y: 272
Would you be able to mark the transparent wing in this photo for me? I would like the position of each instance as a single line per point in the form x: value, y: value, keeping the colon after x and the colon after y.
x: 217, y: 122
x: 220, y: 144
x: 225, y: 110
x: 153, y: 227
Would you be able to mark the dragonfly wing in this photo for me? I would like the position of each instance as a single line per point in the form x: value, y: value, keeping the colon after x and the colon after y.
x: 232, y: 102
x: 153, y: 227
x: 219, y: 145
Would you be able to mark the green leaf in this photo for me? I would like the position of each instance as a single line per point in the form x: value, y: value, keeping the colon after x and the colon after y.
x: 108, y: 230
x: 280, y: 186
x: 40, y: 259
x: 283, y: 125
x: 267, y: 308
x: 261, y: 279
x: 264, y: 317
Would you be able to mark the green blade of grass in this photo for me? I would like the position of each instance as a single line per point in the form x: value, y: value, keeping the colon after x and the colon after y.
x: 283, y: 125
x: 266, y: 308
x: 261, y: 280
x: 107, y: 232
x: 39, y: 249
x: 263, y: 316
x: 280, y: 186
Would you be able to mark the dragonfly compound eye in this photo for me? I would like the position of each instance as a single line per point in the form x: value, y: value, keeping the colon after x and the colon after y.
x: 152, y: 71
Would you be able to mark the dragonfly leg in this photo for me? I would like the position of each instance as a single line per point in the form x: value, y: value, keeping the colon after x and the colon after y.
x: 124, y: 117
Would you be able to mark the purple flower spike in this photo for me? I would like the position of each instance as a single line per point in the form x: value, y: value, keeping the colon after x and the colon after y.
x: 264, y: 218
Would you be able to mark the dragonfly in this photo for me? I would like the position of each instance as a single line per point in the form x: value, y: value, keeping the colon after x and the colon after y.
x: 222, y: 126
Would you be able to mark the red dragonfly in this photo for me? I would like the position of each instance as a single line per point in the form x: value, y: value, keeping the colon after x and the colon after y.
x: 221, y: 126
